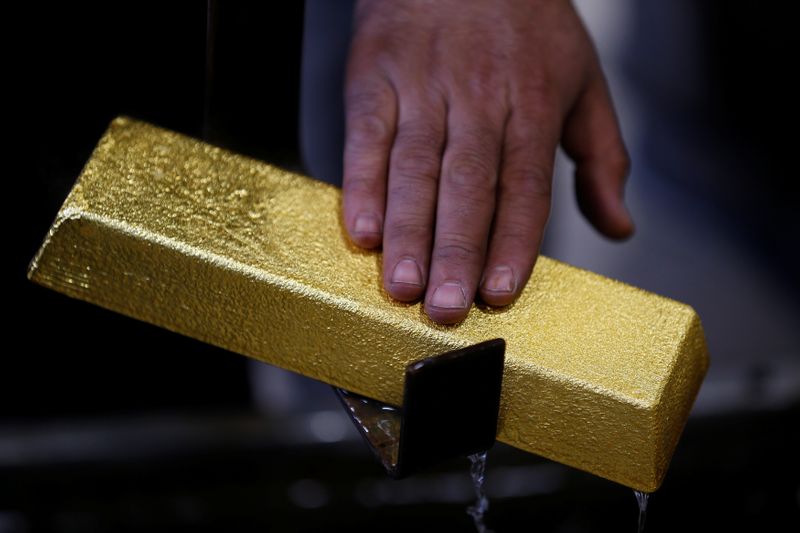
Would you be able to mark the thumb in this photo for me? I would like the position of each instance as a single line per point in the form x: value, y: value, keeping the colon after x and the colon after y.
x: 593, y: 140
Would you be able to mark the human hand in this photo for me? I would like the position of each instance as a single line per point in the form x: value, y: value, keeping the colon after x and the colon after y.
x: 454, y: 111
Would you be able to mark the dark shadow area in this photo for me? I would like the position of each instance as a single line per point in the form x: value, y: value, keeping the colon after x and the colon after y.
x: 79, y: 67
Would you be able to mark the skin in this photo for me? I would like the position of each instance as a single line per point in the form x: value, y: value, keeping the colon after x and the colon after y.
x: 454, y: 111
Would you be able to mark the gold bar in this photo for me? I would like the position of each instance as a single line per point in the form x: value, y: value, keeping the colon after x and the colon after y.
x: 229, y: 250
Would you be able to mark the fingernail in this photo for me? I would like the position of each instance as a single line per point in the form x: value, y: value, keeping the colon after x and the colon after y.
x: 449, y: 295
x: 500, y: 279
x: 367, y: 223
x: 407, y: 271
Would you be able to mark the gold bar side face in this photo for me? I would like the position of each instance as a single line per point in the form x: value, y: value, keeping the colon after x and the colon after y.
x: 220, y: 247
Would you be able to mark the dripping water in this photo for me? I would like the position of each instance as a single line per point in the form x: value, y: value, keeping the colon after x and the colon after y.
x: 641, y: 499
x: 477, y: 471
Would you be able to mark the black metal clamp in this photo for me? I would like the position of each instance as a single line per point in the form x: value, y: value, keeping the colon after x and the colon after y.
x: 450, y: 408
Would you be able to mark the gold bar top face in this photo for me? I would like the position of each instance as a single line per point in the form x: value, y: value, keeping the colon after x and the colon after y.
x: 599, y: 375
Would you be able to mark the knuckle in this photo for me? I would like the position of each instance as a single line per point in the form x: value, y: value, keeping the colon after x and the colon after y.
x: 488, y: 74
x: 620, y: 162
x: 538, y: 113
x: 369, y: 128
x: 419, y: 136
x: 457, y: 249
x: 413, y: 190
x: 455, y: 254
x: 364, y: 98
x: 483, y: 83
x: 416, y: 164
x: 409, y: 231
x: 520, y: 235
x: 366, y: 91
x: 416, y: 155
x: 360, y: 185
x: 465, y: 210
x: 516, y: 237
x: 538, y: 90
x: 414, y: 171
x: 472, y: 173
x: 531, y: 183
x: 366, y: 105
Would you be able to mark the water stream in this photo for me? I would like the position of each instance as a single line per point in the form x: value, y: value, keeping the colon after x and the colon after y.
x: 641, y: 499
x: 477, y: 471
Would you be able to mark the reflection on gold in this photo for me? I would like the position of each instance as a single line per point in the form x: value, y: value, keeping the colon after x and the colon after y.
x: 164, y: 228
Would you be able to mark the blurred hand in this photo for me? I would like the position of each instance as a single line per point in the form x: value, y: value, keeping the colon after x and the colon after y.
x: 454, y: 111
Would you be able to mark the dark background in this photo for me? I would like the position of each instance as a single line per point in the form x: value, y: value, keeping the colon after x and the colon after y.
x: 83, y: 66
x: 108, y: 424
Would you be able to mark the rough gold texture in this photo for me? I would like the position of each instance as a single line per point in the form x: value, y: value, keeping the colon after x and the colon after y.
x: 164, y: 228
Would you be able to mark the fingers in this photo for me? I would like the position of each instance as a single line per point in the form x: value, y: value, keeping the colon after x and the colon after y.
x: 593, y: 139
x: 412, y: 190
x: 523, y: 205
x: 464, y: 211
x: 404, y: 140
x: 371, y: 114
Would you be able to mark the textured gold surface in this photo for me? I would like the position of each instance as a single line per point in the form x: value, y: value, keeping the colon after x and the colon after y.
x: 599, y: 375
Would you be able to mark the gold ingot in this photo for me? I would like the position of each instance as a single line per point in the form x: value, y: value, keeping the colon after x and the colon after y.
x: 599, y: 375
